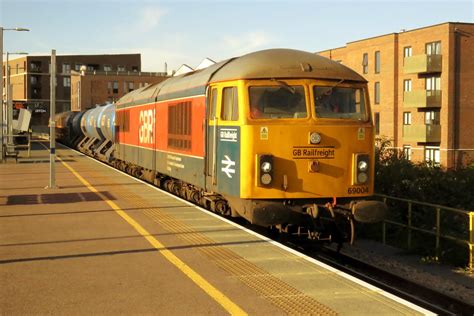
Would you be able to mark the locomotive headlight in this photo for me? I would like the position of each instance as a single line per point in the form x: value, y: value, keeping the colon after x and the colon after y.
x: 362, y: 177
x: 266, y: 167
x: 314, y: 138
x: 361, y: 169
x: 363, y: 166
x: 266, y: 178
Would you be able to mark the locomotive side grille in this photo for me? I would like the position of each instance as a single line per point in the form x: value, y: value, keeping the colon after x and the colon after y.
x: 179, y: 125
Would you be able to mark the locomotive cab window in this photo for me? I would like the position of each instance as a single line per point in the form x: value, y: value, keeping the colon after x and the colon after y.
x: 230, y: 108
x: 340, y: 103
x: 277, y: 102
x: 212, y: 104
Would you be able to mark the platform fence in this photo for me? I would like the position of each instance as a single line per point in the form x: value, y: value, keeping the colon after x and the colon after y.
x: 439, y: 232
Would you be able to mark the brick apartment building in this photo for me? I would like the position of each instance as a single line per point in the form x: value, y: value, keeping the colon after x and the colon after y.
x: 89, y: 88
x: 30, y: 80
x: 421, y: 85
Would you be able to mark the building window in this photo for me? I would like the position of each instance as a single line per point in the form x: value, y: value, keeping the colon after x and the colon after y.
x: 407, y: 152
x: 230, y: 109
x: 34, y: 80
x: 432, y: 118
x: 66, y: 68
x: 407, y: 51
x: 115, y: 87
x: 109, y: 87
x: 433, y: 83
x: 377, y: 93
x: 365, y: 63
x: 432, y: 155
x: 135, y: 68
x: 407, y: 85
x: 179, y: 125
x: 377, y: 62
x: 120, y: 68
x: 107, y: 68
x: 406, y: 118
x: 377, y: 123
x: 131, y: 86
x: 35, y: 66
x: 67, y: 81
x: 433, y: 48
x: 77, y: 67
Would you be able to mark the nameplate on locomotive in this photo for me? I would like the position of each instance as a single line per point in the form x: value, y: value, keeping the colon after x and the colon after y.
x: 306, y: 152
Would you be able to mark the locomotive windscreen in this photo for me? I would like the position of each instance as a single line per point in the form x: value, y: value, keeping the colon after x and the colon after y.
x: 277, y: 102
x: 340, y: 103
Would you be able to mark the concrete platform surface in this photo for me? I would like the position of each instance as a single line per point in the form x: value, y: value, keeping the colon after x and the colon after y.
x: 105, y: 243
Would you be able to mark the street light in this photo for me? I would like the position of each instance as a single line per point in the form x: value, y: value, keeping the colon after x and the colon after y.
x: 9, y: 98
x: 19, y: 29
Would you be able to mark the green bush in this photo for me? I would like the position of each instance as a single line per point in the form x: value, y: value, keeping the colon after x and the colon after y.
x: 424, y: 182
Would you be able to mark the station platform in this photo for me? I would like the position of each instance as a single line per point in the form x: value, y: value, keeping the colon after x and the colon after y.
x: 106, y: 243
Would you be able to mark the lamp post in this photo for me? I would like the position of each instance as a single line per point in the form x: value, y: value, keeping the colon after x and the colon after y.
x: 19, y: 29
x: 9, y: 97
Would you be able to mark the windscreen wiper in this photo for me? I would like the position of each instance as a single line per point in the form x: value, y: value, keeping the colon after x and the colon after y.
x: 285, y: 85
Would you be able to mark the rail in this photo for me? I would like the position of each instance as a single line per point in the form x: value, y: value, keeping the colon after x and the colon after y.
x: 442, y: 215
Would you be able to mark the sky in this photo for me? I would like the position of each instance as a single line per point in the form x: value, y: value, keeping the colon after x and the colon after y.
x: 185, y: 32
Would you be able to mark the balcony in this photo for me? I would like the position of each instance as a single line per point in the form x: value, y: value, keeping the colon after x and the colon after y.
x: 422, y: 133
x: 422, y: 64
x: 422, y: 99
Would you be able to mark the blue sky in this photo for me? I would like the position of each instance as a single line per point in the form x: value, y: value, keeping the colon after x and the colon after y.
x: 180, y: 32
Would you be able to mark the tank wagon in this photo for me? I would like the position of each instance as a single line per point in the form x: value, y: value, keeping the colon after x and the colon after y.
x: 283, y: 138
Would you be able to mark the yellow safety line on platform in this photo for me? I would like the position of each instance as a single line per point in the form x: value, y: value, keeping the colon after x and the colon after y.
x: 217, y: 295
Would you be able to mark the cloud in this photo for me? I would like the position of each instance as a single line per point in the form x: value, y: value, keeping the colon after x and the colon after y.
x: 149, y: 17
x: 247, y: 42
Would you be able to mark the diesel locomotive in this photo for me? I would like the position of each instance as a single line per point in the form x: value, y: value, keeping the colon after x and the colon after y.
x: 282, y: 138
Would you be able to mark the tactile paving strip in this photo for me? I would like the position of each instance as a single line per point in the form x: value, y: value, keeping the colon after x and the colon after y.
x: 286, y: 297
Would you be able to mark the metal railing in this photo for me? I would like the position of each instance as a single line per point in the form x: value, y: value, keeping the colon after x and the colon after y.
x: 463, y: 220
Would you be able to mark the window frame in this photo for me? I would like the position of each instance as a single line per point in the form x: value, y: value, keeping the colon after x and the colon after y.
x: 365, y: 63
x: 377, y: 62
x: 432, y: 155
x: 377, y: 92
x: 407, y: 85
x: 407, y: 152
x: 377, y: 123
x: 234, y: 113
x: 67, y: 82
x: 407, y: 51
x: 433, y: 48
x: 406, y: 118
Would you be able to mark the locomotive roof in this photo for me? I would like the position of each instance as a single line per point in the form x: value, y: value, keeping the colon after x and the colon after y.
x: 265, y: 64
x: 284, y: 63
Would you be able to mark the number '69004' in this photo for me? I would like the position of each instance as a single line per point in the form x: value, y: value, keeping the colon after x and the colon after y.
x: 358, y: 190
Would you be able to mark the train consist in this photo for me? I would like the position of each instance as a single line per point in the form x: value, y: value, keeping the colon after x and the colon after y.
x: 283, y: 138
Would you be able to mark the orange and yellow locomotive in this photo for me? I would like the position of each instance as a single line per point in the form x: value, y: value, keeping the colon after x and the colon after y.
x: 283, y: 138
